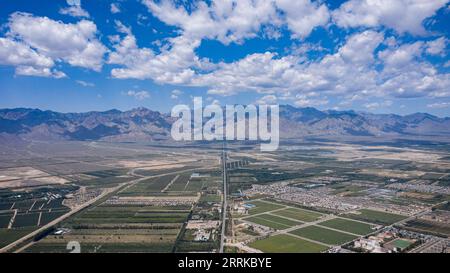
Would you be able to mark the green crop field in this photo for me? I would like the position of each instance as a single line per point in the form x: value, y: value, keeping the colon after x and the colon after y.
x: 130, y: 214
x: 348, y: 225
x: 101, y: 247
x: 299, y: 214
x: 323, y: 235
x: 6, y: 205
x: 149, y: 186
x: 402, y: 244
x: 8, y: 236
x: 4, y: 219
x: 215, y: 198
x: 23, y: 205
x: 47, y: 217
x: 263, y: 207
x: 272, y: 221
x: 180, y: 183
x: 286, y: 244
x: 429, y: 227
x: 267, y: 223
x: 377, y: 217
x: 26, y: 220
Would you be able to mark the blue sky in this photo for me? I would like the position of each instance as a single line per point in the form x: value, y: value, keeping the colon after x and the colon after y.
x: 75, y: 56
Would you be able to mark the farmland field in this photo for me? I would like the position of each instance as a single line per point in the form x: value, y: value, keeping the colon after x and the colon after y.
x: 8, y: 236
x: 261, y: 207
x: 4, y: 219
x: 47, y: 217
x: 272, y: 221
x: 377, y: 217
x: 149, y: 186
x: 323, y: 235
x: 349, y: 226
x: 299, y: 214
x: 26, y: 220
x: 429, y: 227
x: 286, y: 244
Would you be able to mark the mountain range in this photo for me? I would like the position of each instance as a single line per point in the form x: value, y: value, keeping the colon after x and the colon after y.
x: 142, y: 124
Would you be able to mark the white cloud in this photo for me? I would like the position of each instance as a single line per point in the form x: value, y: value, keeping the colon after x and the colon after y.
x: 176, y: 93
x: 407, y: 74
x: 267, y: 100
x: 234, y: 21
x: 356, y: 70
x: 74, y: 9
x: 26, y: 60
x: 347, y: 70
x: 85, y: 84
x: 174, y: 64
x: 139, y: 95
x: 39, y: 72
x: 310, y: 99
x: 400, y: 15
x: 437, y: 47
x: 115, y: 8
x: 377, y: 105
x: 398, y: 57
x: 353, y: 71
x: 302, y: 16
x: 17, y: 53
x: 226, y: 21
x: 439, y: 105
x: 75, y: 44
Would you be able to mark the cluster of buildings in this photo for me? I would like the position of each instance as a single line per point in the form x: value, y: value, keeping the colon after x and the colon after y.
x: 80, y: 197
x: 240, y: 207
x: 441, y: 216
x: 393, y: 239
x: 204, y: 229
x: 435, y: 245
x: 384, y: 242
x: 420, y: 187
x: 323, y: 197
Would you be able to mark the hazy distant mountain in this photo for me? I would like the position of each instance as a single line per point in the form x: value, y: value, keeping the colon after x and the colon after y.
x: 142, y: 124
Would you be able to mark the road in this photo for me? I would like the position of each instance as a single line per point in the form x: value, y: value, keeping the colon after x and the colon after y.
x: 224, y: 206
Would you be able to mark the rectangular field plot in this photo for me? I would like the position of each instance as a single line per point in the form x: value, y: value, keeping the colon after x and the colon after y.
x: 26, y: 220
x: 101, y: 247
x: 23, y: 205
x: 54, y: 204
x: 191, y: 246
x: 377, y: 217
x: 149, y: 186
x: 299, y: 214
x: 261, y: 207
x: 194, y: 185
x: 6, y: 206
x: 112, y: 240
x: 179, y: 184
x: 272, y: 221
x: 428, y: 227
x: 287, y: 244
x: 8, y: 236
x: 109, y: 228
x: 47, y: 217
x: 132, y: 214
x: 4, y: 219
x: 348, y: 226
x: 323, y: 235
x: 104, y: 182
